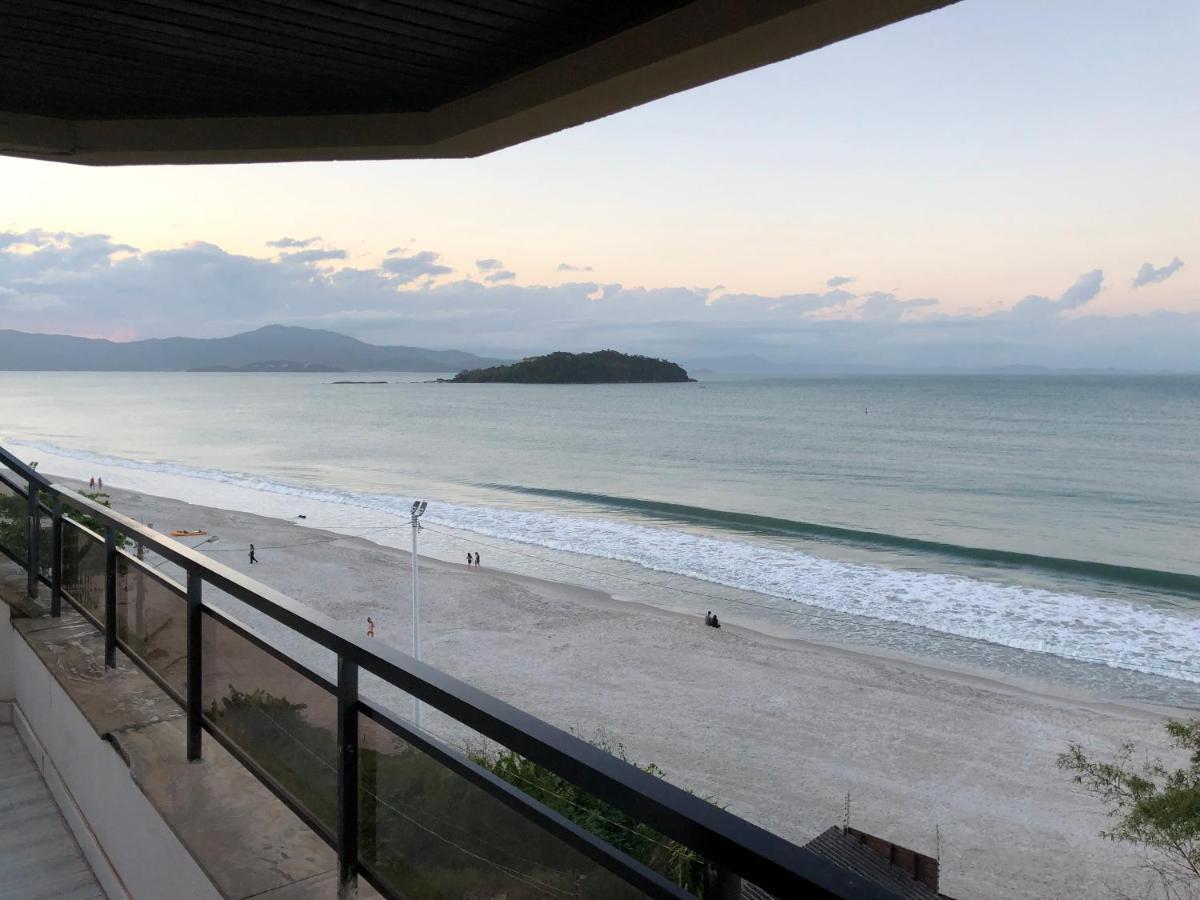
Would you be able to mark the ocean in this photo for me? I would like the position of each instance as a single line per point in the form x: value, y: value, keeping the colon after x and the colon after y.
x: 1035, y: 526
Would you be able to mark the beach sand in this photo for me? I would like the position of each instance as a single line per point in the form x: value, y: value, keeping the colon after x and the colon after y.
x: 776, y: 730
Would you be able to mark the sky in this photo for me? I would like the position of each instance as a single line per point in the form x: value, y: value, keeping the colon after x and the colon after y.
x: 994, y: 183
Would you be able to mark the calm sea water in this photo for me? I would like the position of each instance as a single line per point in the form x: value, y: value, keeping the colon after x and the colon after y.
x: 1037, y: 525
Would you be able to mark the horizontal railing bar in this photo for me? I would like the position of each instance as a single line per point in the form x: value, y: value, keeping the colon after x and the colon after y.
x: 82, y: 610
x: 555, y: 824
x: 95, y: 536
x: 753, y: 852
x: 244, y: 631
x: 13, y: 486
x: 164, y: 580
x: 18, y: 560
x: 23, y: 469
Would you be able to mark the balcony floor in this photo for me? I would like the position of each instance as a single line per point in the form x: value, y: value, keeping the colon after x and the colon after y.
x: 38, y: 856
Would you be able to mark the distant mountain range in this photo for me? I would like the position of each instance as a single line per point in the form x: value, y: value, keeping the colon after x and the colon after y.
x: 272, y: 348
x: 757, y: 365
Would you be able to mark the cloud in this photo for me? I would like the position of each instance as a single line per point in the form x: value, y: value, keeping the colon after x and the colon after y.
x: 502, y: 275
x: 405, y: 269
x: 488, y: 265
x: 887, y: 307
x: 310, y: 256
x: 91, y: 284
x: 1147, y: 274
x: 1085, y: 288
x: 1083, y: 291
x: 838, y: 281
x: 567, y: 267
x: 285, y: 242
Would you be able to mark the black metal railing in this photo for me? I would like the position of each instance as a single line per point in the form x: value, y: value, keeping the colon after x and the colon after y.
x: 404, y: 809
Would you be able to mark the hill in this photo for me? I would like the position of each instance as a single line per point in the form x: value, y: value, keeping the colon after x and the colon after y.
x: 312, y: 349
x: 601, y: 367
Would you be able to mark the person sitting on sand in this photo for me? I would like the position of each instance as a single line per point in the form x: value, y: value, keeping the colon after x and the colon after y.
x: 708, y: 618
x: 716, y: 623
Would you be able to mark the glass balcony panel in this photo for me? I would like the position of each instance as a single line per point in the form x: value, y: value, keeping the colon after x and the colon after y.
x: 283, y: 721
x: 14, y: 517
x: 83, y: 570
x: 429, y: 832
x: 152, y: 621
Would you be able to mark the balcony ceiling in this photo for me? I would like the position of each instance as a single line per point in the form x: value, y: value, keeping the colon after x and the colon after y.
x: 110, y: 82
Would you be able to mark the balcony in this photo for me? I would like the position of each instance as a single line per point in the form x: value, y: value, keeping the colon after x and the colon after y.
x: 255, y: 775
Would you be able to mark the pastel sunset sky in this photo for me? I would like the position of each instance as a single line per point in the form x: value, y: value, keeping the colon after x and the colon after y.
x: 960, y: 163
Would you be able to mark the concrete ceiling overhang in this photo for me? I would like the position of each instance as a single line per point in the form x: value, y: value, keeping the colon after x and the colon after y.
x: 124, y: 82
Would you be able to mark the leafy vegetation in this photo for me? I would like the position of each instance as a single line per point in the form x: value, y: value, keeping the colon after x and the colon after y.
x: 14, y: 528
x: 1154, y: 807
x: 637, y: 839
x: 601, y: 367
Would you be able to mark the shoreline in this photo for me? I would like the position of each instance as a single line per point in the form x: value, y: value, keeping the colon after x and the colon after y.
x: 599, y: 599
x: 778, y: 729
x: 1132, y: 648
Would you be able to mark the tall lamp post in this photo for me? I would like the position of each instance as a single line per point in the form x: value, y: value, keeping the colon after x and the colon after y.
x: 418, y: 508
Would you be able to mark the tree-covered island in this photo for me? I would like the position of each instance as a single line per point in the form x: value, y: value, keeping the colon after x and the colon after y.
x: 601, y: 367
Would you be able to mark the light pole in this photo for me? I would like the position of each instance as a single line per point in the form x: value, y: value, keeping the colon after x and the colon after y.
x: 418, y: 508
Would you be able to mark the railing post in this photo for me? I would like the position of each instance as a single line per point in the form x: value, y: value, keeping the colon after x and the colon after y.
x: 56, y: 563
x: 194, y: 671
x: 347, y: 790
x: 31, y: 544
x: 110, y: 597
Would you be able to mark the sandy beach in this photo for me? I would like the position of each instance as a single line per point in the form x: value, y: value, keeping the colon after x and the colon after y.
x: 777, y: 730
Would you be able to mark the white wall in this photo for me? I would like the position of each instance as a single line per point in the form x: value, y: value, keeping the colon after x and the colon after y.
x: 131, y: 849
x: 7, y: 689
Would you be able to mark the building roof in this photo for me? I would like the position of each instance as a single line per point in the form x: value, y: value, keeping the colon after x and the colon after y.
x: 850, y: 853
x: 178, y: 81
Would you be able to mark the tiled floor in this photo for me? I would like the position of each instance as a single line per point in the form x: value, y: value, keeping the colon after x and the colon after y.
x: 38, y: 856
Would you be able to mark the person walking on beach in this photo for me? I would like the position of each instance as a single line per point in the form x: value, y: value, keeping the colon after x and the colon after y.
x: 468, y: 559
x: 92, y: 483
x: 253, y: 558
x: 370, y: 627
x: 99, y: 484
x: 477, y: 559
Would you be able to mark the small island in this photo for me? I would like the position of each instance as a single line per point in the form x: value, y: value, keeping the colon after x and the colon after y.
x: 601, y: 367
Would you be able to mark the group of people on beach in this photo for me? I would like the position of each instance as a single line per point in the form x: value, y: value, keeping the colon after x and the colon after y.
x: 96, y: 484
x: 711, y: 620
x: 473, y: 561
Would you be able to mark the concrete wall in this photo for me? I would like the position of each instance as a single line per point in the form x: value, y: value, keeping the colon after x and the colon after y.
x: 130, y: 848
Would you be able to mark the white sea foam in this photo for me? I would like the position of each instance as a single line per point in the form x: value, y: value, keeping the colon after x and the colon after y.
x: 1128, y: 635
